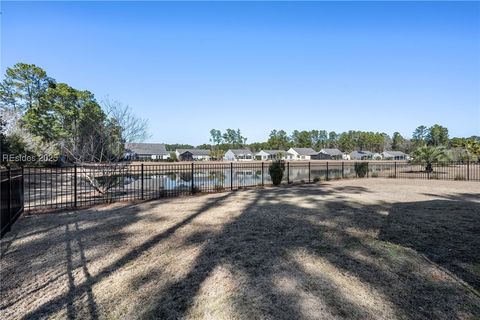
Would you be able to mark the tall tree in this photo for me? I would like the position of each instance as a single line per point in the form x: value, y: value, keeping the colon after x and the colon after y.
x: 302, y: 139
x: 24, y: 86
x: 437, y: 135
x: 234, y: 138
x: 332, y: 139
x: 216, y: 136
x: 397, y: 141
x: 278, y: 140
x: 346, y: 142
x: 319, y: 139
x: 419, y: 135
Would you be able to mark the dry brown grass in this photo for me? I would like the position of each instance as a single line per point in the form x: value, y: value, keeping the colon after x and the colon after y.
x: 376, y: 249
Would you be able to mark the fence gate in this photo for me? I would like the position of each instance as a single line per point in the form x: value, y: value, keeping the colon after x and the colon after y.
x: 12, y: 197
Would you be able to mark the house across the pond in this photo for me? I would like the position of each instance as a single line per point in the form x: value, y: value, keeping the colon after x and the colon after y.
x: 302, y: 154
x: 332, y: 153
x: 193, y: 154
x: 146, y: 151
x: 361, y: 155
x: 238, y: 155
x: 270, y: 154
x: 394, y: 155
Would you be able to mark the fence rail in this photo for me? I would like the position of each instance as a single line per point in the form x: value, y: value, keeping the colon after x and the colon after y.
x: 79, y: 186
x: 12, y: 198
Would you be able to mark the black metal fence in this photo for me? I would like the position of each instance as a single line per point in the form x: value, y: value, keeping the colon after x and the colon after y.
x: 12, y: 198
x: 79, y: 186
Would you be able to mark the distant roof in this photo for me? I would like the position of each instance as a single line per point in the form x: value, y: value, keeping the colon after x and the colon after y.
x: 273, y: 152
x: 305, y: 151
x: 195, y: 152
x: 361, y: 153
x: 395, y: 153
x: 147, y: 148
x: 332, y: 152
x: 241, y: 151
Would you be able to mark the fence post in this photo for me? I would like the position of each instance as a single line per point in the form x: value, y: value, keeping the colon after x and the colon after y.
x: 327, y: 171
x: 309, y: 171
x: 343, y: 170
x: 395, y: 175
x: 367, y: 169
x: 142, y: 182
x: 193, y: 182
x: 231, y: 175
x: 468, y: 169
x: 9, y: 197
x: 23, y: 191
x: 288, y: 172
x: 263, y: 181
x: 75, y: 185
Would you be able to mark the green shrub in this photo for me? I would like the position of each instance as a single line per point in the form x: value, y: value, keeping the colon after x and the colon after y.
x: 316, y: 179
x: 276, y: 170
x: 374, y: 174
x: 460, y: 177
x: 361, y: 169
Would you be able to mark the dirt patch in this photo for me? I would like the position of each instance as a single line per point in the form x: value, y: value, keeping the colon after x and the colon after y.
x: 378, y: 249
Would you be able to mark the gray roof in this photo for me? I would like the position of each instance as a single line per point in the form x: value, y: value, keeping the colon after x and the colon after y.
x: 361, y: 153
x: 305, y: 151
x: 146, y: 148
x: 273, y: 152
x: 395, y: 153
x: 238, y: 152
x: 332, y: 152
x: 195, y: 152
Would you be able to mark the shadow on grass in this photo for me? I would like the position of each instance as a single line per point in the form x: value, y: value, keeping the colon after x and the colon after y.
x: 356, y: 249
x: 261, y: 240
x: 74, y: 291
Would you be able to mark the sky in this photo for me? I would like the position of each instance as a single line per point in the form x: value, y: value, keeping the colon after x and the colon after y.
x: 189, y: 67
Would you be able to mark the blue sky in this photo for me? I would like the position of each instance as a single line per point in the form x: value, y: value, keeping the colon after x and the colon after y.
x: 191, y: 67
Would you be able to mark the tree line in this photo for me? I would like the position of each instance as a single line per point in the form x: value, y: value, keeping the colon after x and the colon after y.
x: 348, y: 141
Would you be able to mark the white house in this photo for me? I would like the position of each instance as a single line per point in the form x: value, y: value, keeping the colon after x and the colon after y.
x: 146, y: 151
x: 302, y: 154
x: 238, y: 155
x: 332, y: 153
x: 394, y: 155
x: 193, y: 154
x: 377, y: 156
x: 270, y: 154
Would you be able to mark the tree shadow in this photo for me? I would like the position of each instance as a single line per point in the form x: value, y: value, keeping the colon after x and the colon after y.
x: 127, y: 215
x: 261, y: 239
x: 445, y: 231
x: 318, y: 257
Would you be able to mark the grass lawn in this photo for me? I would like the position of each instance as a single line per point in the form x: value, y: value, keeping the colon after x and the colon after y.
x: 357, y: 249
